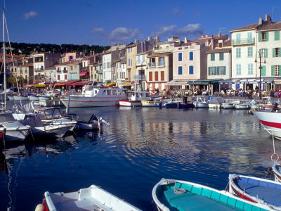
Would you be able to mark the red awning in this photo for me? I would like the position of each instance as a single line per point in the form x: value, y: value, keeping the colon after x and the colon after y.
x: 84, y: 73
x: 79, y: 83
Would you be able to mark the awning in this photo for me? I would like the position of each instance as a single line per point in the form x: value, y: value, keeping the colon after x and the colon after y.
x: 84, y: 74
x: 198, y: 82
x: 126, y: 84
x: 39, y: 85
x: 79, y: 83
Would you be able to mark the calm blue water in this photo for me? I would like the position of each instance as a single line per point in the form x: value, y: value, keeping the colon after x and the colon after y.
x: 140, y: 147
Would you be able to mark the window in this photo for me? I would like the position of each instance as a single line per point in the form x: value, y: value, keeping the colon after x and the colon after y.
x: 161, y: 61
x: 191, y: 56
x: 263, y: 36
x: 238, y: 69
x: 277, y: 35
x: 276, y: 70
x: 250, y: 69
x: 221, y: 56
x: 238, y: 37
x: 250, y: 52
x: 179, y: 56
x: 162, y: 75
x: 219, y: 70
x: 152, y: 62
x: 249, y: 36
x: 264, y: 52
x: 276, y: 52
x: 212, y: 57
x: 156, y: 76
x: 65, y: 77
x: 238, y: 52
x: 179, y: 70
x: 58, y: 77
x: 191, y: 70
x: 150, y: 76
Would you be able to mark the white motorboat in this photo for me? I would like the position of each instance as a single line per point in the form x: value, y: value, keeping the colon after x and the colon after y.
x: 130, y: 103
x: 33, y: 98
x: 200, y: 102
x: 227, y: 105
x: 14, y: 131
x: 91, y: 198
x: 215, y: 102
x: 95, y: 97
x: 20, y: 98
x: 271, y: 121
x: 241, y: 105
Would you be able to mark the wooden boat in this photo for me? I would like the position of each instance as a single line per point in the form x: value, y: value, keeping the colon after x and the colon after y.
x: 276, y: 169
x: 91, y: 198
x: 256, y: 190
x: 182, y: 195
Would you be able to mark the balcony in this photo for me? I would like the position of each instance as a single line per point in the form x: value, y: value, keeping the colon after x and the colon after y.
x: 140, y: 77
x: 248, y: 41
x: 39, y: 70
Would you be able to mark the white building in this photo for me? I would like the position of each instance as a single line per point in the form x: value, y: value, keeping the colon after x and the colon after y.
x: 106, y: 67
x: 141, y: 66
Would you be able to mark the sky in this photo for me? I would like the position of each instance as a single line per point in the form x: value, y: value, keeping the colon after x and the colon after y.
x: 106, y: 22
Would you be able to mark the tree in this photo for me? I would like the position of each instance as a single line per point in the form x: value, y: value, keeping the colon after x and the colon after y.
x: 11, y: 80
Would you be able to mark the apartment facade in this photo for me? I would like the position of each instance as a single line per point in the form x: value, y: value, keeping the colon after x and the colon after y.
x: 23, y: 72
x: 159, y: 70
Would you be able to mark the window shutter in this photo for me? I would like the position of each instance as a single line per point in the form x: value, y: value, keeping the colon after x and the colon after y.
x: 273, y: 52
x: 259, y: 36
x: 279, y: 70
x: 272, y: 70
x: 267, y: 36
x: 277, y: 35
x: 265, y: 53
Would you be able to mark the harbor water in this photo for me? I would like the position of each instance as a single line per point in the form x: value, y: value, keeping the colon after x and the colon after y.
x: 140, y: 147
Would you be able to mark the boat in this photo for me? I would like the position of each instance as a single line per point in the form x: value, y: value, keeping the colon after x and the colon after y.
x: 91, y: 198
x: 200, y: 102
x: 185, y: 105
x: 227, y: 105
x: 33, y: 98
x: 151, y: 102
x: 257, y: 190
x: 271, y: 121
x: 94, y: 123
x: 130, y: 103
x: 172, y: 104
x: 215, y: 102
x: 170, y: 194
x: 20, y: 98
x: 242, y: 106
x: 14, y: 131
x: 95, y: 97
x: 276, y: 169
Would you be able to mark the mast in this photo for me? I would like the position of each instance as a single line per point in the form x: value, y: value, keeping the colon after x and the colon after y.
x: 4, y: 61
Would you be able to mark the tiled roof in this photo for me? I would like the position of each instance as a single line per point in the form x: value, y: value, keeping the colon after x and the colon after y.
x: 270, y: 26
x: 220, y: 50
x: 245, y: 28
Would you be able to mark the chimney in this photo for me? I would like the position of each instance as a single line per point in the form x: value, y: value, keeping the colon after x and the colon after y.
x: 267, y: 18
x: 185, y: 40
x: 260, y: 21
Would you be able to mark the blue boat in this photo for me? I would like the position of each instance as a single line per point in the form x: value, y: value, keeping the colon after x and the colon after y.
x: 262, y: 191
x: 182, y: 195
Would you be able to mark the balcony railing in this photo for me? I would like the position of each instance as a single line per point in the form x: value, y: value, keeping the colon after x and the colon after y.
x: 248, y: 41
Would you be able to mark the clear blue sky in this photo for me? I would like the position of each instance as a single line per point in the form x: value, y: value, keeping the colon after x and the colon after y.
x: 122, y: 21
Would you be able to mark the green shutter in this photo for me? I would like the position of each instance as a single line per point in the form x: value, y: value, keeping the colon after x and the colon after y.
x: 279, y: 70
x: 272, y: 70
x: 263, y: 70
x: 273, y: 52
x: 265, y: 53
x: 277, y: 35
x: 266, y: 36
x: 259, y: 36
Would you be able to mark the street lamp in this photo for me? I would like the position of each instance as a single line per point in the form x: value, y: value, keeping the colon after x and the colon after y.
x: 261, y: 53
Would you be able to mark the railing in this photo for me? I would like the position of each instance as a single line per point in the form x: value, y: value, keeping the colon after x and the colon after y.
x: 248, y: 41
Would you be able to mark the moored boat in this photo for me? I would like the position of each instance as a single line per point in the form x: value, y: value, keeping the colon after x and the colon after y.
x: 130, y: 103
x: 227, y: 105
x: 95, y: 97
x: 242, y: 106
x: 271, y: 121
x: 257, y: 190
x: 183, y: 195
x: 150, y: 103
x: 20, y: 98
x: 200, y: 102
x: 91, y: 198
x: 14, y: 131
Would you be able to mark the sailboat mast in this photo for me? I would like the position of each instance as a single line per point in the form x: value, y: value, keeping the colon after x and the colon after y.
x: 4, y: 62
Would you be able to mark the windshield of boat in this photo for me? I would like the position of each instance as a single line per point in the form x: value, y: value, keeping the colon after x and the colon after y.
x: 89, y: 87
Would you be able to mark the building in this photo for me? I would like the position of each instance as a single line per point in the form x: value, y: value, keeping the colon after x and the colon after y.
x: 23, y: 73
x: 41, y: 61
x: 141, y: 66
x: 159, y: 70
x: 106, y: 67
x: 219, y: 65
x: 69, y: 71
x: 51, y: 74
x: 131, y: 52
x: 67, y: 57
x: 96, y: 71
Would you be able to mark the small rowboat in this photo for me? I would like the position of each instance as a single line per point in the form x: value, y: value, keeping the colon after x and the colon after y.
x: 182, y: 195
x: 256, y: 190
x: 276, y: 169
x: 91, y: 198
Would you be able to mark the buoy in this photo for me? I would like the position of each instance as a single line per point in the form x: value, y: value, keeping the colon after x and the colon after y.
x: 39, y: 207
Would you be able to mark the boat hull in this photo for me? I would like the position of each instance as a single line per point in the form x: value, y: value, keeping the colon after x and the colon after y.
x: 17, y: 98
x: 127, y: 103
x: 84, y: 102
x: 149, y: 103
x: 276, y: 169
x: 16, y: 135
x: 58, y: 131
x: 227, y: 106
x: 200, y: 105
x: 271, y: 121
x: 256, y: 190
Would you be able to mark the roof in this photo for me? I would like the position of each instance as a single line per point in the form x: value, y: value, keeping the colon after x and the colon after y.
x: 220, y: 50
x: 246, y: 28
x: 270, y: 26
x: 158, y: 54
x: 68, y: 63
